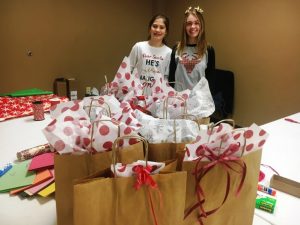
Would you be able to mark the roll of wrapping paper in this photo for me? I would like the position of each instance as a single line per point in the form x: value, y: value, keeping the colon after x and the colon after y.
x: 31, y: 152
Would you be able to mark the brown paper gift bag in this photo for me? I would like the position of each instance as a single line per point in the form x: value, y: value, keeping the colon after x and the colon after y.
x: 164, y: 151
x: 236, y: 210
x: 110, y: 200
x: 71, y: 167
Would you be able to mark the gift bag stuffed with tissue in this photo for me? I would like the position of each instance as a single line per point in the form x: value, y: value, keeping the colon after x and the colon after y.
x: 83, y: 148
x: 223, y: 169
x: 140, y: 193
x: 166, y: 137
x: 69, y: 167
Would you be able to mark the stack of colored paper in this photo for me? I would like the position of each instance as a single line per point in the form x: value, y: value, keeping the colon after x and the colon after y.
x: 30, y: 177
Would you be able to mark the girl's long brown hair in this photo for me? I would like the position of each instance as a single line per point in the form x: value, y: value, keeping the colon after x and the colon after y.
x: 166, y: 22
x: 201, y: 43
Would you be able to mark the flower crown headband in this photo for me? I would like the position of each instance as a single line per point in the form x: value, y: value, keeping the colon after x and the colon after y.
x: 197, y: 9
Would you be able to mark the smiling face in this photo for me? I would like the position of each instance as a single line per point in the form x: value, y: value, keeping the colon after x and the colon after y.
x: 192, y: 28
x: 158, y: 30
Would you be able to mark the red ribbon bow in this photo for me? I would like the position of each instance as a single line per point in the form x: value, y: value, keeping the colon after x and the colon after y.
x: 223, y: 159
x: 143, y: 177
x: 138, y: 107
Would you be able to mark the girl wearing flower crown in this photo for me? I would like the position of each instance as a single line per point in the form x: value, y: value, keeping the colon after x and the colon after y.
x: 189, y: 56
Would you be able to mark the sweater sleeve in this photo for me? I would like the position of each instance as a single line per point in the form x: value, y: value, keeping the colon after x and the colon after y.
x: 166, y: 72
x: 210, y: 72
x: 172, y: 67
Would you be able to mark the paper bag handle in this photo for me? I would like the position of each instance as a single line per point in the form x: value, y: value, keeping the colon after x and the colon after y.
x: 230, y: 121
x: 116, y: 145
x: 108, y: 111
x: 195, y: 119
x: 235, y: 130
x: 213, y: 125
x: 106, y: 85
x: 165, y: 105
x: 244, y: 144
x: 186, y: 115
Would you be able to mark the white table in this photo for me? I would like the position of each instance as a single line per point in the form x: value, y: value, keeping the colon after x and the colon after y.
x: 16, y: 135
x: 282, y: 152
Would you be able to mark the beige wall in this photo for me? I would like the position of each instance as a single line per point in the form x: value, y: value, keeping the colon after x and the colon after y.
x: 258, y: 40
x: 85, y: 39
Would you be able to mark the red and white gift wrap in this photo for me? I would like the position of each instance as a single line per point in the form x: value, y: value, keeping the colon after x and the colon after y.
x: 104, y: 104
x: 32, y: 152
x: 58, y: 109
x: 126, y: 86
x: 129, y: 170
x: 157, y: 130
x: 72, y: 131
x: 125, y: 83
x: 221, y: 137
x: 108, y: 104
x: 69, y: 132
x: 127, y: 116
x: 106, y: 132
x: 14, y: 107
x: 199, y: 101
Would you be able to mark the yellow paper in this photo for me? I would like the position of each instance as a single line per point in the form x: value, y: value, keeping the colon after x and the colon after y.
x: 40, y: 177
x: 48, y: 190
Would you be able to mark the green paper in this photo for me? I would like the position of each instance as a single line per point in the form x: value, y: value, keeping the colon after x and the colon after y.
x: 18, y: 176
x: 27, y: 92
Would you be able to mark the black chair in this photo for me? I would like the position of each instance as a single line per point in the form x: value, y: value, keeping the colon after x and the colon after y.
x: 221, y: 84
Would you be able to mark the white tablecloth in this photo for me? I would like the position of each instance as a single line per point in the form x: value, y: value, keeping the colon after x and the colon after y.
x: 16, y: 135
x: 282, y: 151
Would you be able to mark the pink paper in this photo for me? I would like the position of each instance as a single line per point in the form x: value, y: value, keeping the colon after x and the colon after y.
x: 45, y: 160
x: 37, y: 188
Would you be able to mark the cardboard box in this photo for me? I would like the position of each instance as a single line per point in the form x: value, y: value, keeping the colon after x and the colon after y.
x: 285, y: 185
x: 60, y: 87
x: 66, y: 87
x: 72, y: 89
